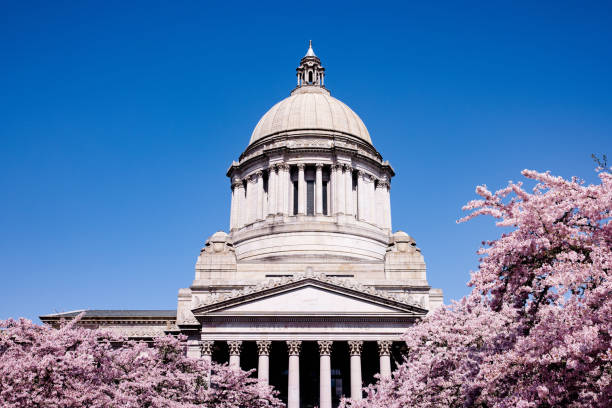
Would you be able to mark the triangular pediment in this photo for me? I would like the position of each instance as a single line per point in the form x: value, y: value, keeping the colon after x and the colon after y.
x: 308, y: 297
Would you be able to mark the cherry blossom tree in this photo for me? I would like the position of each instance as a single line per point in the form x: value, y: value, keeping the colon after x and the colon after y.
x: 77, y: 367
x: 535, y: 330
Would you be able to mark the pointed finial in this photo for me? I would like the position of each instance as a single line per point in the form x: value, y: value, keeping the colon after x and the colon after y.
x: 310, y: 52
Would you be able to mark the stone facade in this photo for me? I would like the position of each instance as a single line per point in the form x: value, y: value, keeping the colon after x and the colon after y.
x: 310, y: 265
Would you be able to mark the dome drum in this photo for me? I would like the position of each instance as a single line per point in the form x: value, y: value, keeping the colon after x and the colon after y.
x: 310, y: 183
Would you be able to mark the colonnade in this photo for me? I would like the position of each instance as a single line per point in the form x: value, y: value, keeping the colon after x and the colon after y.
x: 294, y: 348
x: 367, y: 199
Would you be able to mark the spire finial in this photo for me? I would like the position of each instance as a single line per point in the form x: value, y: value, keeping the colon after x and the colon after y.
x: 310, y: 52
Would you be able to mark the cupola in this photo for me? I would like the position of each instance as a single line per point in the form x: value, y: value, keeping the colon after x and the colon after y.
x: 310, y: 72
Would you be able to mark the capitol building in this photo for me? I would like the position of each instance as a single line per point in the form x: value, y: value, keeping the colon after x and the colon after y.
x: 310, y: 286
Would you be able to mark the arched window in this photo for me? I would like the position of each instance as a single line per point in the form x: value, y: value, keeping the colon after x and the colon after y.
x: 310, y: 77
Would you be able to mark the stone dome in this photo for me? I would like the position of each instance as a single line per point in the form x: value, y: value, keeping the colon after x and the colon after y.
x: 310, y: 108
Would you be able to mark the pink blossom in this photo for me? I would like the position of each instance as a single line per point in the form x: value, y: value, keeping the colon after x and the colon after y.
x: 78, y: 367
x: 535, y: 330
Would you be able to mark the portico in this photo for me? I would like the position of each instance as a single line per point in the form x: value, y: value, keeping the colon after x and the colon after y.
x: 289, y: 315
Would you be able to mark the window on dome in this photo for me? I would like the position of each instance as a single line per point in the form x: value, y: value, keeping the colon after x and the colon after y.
x: 295, y: 198
x: 310, y: 186
x: 324, y: 190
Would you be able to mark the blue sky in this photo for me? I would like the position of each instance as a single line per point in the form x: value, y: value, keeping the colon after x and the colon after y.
x: 118, y: 121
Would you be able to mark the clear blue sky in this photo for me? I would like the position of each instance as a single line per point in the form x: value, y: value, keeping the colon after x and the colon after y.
x: 118, y: 121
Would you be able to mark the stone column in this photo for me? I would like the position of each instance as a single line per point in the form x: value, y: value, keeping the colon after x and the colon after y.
x: 381, y: 210
x: 371, y: 200
x: 333, y: 177
x: 283, y: 189
x: 235, y: 346
x: 340, y: 190
x: 232, y: 207
x: 301, y: 190
x: 206, y: 350
x: 272, y: 190
x: 319, y: 192
x: 355, y: 352
x: 348, y: 190
x: 293, y: 389
x: 325, y: 396
x: 384, y: 351
x: 260, y: 195
x: 360, y: 196
x: 251, y: 199
x: 263, y: 365
x: 388, y: 204
x: 239, y: 208
x: 193, y: 349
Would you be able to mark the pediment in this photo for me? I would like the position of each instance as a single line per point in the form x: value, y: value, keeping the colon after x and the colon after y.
x: 309, y: 297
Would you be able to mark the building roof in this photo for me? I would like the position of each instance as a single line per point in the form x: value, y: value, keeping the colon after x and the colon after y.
x: 310, y: 108
x: 114, y: 313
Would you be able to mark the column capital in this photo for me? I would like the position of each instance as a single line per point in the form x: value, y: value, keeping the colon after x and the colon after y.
x: 384, y: 347
x: 263, y: 347
x: 283, y: 166
x: 319, y: 165
x: 259, y: 173
x: 235, y: 346
x: 355, y: 347
x: 300, y: 166
x: 273, y: 167
x: 294, y: 347
x: 383, y: 184
x: 252, y: 178
x: 361, y: 173
x: 337, y: 166
x: 206, y: 347
x: 348, y: 167
x: 325, y: 347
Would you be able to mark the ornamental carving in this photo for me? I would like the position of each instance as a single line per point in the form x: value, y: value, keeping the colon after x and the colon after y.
x: 383, y: 184
x: 384, y: 347
x: 294, y: 346
x: 276, y: 282
x: 218, y: 243
x: 263, y: 347
x: 355, y: 347
x: 207, y: 347
x: 325, y: 347
x: 235, y: 346
x: 236, y: 182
